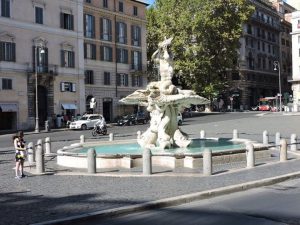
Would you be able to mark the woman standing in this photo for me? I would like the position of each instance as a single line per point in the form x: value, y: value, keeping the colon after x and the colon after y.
x: 20, y: 155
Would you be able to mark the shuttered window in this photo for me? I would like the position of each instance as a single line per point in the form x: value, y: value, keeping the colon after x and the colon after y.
x: 5, y: 8
x: 66, y: 21
x: 67, y: 59
x: 39, y: 15
x: 7, y: 51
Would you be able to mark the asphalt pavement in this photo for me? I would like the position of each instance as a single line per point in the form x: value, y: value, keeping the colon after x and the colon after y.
x: 65, y: 196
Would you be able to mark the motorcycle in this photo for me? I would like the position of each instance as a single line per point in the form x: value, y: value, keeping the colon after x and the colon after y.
x: 99, y: 130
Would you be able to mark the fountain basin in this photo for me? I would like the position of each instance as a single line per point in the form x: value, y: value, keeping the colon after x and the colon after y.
x: 128, y: 154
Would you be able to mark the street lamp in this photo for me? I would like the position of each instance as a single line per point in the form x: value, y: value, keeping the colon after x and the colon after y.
x: 41, y: 50
x: 277, y: 66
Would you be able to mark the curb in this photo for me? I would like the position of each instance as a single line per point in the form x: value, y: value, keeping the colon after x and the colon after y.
x: 173, y: 201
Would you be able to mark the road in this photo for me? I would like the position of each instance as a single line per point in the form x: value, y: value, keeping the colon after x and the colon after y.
x: 272, y: 205
x: 250, y: 125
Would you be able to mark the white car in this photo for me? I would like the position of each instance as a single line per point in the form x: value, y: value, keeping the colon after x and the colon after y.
x: 179, y: 119
x: 86, y: 121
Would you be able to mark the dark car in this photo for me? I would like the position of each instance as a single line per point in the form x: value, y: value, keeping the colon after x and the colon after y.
x: 127, y: 120
x: 141, y: 117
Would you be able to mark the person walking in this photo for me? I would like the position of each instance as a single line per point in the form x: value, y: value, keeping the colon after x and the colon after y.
x: 20, y: 155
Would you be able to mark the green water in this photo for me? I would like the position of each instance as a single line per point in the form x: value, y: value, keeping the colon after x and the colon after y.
x: 197, y: 146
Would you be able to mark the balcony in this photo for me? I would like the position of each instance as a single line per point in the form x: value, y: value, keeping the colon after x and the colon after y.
x: 44, y: 69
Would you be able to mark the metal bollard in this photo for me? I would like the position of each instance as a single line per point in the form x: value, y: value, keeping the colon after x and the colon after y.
x: 277, y: 140
x: 293, y: 146
x: 139, y: 133
x: 283, y: 150
x: 47, y: 145
x: 30, y: 153
x: 111, y: 137
x: 82, y: 139
x: 47, y: 126
x: 202, y: 134
x: 235, y: 134
x: 250, y: 155
x: 147, y: 162
x: 40, y: 163
x: 265, y: 137
x: 91, y: 160
x: 207, y: 162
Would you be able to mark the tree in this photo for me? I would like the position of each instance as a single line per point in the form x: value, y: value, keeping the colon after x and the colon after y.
x: 206, y: 39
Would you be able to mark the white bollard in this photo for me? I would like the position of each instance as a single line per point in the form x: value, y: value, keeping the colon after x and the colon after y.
x: 283, y: 150
x: 82, y: 139
x: 202, y: 134
x: 147, y: 162
x: 30, y: 153
x: 235, y: 134
x: 277, y: 140
x: 40, y: 163
x: 47, y: 145
x: 111, y: 137
x: 207, y: 162
x: 250, y: 155
x: 265, y: 137
x: 139, y: 133
x: 293, y: 146
x: 91, y: 160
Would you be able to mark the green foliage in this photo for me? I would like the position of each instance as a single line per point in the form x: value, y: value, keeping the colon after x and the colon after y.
x: 206, y: 38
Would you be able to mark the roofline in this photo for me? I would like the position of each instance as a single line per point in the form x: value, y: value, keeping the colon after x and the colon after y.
x: 141, y: 2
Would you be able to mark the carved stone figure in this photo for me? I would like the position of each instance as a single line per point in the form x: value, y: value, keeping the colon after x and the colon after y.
x: 164, y: 100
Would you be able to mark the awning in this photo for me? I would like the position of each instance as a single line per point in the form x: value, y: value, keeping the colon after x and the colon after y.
x: 8, y: 107
x: 68, y: 106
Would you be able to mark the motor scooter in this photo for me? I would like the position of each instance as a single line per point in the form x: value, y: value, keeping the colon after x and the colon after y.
x: 99, y: 130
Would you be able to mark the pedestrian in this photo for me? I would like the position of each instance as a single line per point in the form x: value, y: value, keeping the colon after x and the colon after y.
x: 20, y: 155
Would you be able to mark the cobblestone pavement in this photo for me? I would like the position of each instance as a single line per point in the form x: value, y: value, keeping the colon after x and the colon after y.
x: 72, y: 192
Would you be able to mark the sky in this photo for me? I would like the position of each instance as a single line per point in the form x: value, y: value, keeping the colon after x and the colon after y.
x: 150, y: 1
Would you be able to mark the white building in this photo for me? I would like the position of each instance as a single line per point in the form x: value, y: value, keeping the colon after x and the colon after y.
x: 296, y: 59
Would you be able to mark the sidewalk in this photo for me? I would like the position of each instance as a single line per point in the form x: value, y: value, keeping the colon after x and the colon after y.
x: 68, y: 195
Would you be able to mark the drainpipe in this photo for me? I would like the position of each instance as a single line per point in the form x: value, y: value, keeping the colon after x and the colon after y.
x: 116, y: 67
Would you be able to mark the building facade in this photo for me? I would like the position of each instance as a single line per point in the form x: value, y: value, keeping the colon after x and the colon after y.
x: 296, y: 60
x: 259, y: 49
x: 114, y: 53
x: 41, y: 71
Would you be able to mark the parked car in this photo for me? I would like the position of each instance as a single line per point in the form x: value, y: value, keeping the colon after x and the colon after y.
x: 87, y: 121
x: 141, y: 117
x: 126, y: 120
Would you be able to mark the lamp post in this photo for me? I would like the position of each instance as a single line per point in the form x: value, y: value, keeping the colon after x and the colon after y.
x: 37, y: 129
x: 277, y: 66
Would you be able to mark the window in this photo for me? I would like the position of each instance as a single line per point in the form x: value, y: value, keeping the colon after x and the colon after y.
x: 105, y: 5
x: 121, y: 33
x: 282, y: 41
x: 263, y: 46
x: 39, y: 15
x: 88, y: 1
x: 7, y: 51
x: 67, y: 59
x: 258, y: 32
x: 287, y: 43
x: 299, y: 39
x: 137, y: 81
x: 298, y: 25
x: 66, y: 21
x: 135, y: 10
x: 5, y: 8
x: 67, y: 87
x: 122, y: 55
x: 105, y: 29
x: 6, y: 84
x: 235, y: 76
x: 299, y: 52
x: 106, y: 78
x: 136, y: 60
x: 41, y: 54
x: 121, y: 7
x: 89, y: 26
x: 89, y: 77
x: 249, y: 29
x: 269, y: 48
x: 135, y: 36
x: 122, y: 79
x: 106, y: 53
x: 89, y: 51
x: 258, y: 45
